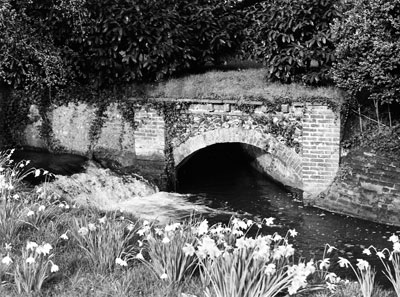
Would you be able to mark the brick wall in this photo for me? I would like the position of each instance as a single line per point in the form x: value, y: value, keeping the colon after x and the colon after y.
x: 368, y: 187
x: 320, y: 149
x: 141, y: 145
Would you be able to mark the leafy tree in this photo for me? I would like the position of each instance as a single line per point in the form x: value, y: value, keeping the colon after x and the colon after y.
x: 368, y: 50
x: 28, y: 59
x: 292, y: 38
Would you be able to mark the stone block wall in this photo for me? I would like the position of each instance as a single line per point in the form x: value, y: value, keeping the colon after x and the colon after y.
x: 367, y: 187
x: 320, y: 149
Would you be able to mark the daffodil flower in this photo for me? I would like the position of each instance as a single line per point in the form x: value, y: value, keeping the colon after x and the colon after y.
x: 362, y: 264
x: 139, y: 256
x: 343, y: 262
x: 394, y: 238
x: 121, y: 262
x: 54, y: 268
x: 103, y: 220
x: 30, y: 260
x: 188, y: 249
x: 64, y: 236
x: 7, y: 260
x: 269, y: 221
x: 324, y: 264
x: 367, y: 252
x: 380, y: 255
x: 293, y: 232
x: 83, y: 231
x: 92, y: 227
x: 31, y: 245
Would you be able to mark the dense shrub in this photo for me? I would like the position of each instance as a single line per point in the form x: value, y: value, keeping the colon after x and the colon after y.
x: 28, y: 58
x: 368, y: 50
x: 111, y: 41
x: 292, y: 38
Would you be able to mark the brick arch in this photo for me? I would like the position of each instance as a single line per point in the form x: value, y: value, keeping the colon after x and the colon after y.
x: 281, y: 162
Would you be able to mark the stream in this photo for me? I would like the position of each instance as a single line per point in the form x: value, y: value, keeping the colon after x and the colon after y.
x: 223, y: 181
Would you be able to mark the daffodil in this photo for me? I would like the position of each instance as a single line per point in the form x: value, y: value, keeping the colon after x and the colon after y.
x: 362, y: 264
x: 188, y: 249
x: 139, y: 256
x: 367, y: 252
x: 394, y: 238
x: 7, y: 260
x: 83, y: 231
x: 121, y: 262
x: 343, y: 262
x: 293, y: 232
x: 54, y: 268
x: 31, y: 245
x: 64, y: 236
x: 30, y: 260
x: 91, y: 227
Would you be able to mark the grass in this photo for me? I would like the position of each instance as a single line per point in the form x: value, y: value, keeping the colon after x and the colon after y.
x: 239, y: 85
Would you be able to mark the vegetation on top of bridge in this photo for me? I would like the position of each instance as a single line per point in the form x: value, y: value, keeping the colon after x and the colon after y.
x: 240, y: 85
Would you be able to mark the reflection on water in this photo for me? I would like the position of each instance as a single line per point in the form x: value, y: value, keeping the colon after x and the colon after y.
x: 226, y: 183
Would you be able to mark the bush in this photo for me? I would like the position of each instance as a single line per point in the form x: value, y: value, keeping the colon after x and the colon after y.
x: 368, y: 50
x: 46, y: 43
x: 292, y: 38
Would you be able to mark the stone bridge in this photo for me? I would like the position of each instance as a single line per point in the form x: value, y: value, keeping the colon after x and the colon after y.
x: 296, y: 144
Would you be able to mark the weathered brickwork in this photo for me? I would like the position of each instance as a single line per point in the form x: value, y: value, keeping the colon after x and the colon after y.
x: 320, y: 149
x: 297, y: 145
x: 367, y: 186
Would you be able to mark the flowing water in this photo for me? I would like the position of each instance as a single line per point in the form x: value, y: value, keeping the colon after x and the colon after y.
x: 224, y: 180
x: 220, y: 180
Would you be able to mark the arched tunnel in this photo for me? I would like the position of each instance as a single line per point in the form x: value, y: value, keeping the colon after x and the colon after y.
x: 224, y: 175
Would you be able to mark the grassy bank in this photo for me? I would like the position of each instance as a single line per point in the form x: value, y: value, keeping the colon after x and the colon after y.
x: 241, y: 85
x: 50, y: 247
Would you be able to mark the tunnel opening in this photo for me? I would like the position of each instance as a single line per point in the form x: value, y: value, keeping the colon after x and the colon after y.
x: 223, y: 163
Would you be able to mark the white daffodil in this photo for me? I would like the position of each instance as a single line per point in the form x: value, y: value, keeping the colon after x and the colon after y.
x: 30, y: 260
x: 367, y: 252
x: 64, y: 236
x: 7, y: 260
x: 394, y: 238
x: 343, y: 262
x: 83, y: 231
x: 139, y: 256
x: 92, y: 227
x: 103, y: 220
x: 54, y: 268
x: 188, y: 249
x: 30, y: 245
x: 121, y: 262
x: 362, y: 264
x: 293, y: 232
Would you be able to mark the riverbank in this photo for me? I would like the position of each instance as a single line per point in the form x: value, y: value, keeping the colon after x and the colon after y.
x: 52, y: 247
